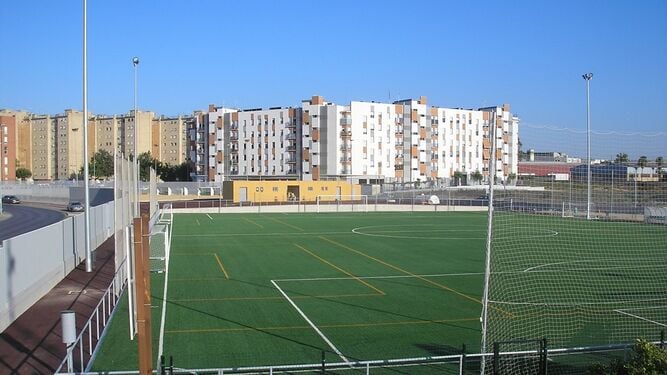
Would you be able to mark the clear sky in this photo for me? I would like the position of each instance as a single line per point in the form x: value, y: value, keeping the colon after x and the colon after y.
x: 244, y: 54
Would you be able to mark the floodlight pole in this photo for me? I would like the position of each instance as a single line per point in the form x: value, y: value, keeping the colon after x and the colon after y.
x: 86, y: 211
x: 135, y: 63
x: 588, y: 77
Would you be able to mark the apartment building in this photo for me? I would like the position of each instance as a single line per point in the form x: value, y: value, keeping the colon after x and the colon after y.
x: 169, y: 139
x: 404, y: 141
x: 103, y: 134
x: 325, y: 139
x: 8, y: 143
x: 205, y: 143
x: 264, y: 142
x: 126, y: 132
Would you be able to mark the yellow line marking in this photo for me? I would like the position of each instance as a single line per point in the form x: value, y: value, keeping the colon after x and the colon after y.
x: 284, y: 223
x: 341, y: 270
x: 280, y: 298
x: 353, y: 325
x: 252, y: 222
x: 221, y: 266
x: 404, y: 271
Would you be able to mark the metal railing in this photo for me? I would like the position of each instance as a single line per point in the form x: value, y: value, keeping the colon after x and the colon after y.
x: 80, y: 354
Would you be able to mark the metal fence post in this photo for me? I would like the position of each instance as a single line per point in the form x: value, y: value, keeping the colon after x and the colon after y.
x: 323, y: 362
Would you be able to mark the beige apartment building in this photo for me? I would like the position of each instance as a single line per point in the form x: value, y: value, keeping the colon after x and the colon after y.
x: 169, y: 139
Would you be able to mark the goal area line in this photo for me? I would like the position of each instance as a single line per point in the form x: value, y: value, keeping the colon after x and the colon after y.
x: 636, y: 316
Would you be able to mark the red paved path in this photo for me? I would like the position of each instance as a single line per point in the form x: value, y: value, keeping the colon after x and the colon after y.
x: 32, y: 344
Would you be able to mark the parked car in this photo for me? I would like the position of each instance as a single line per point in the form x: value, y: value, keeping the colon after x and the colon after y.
x: 75, y: 207
x: 10, y: 199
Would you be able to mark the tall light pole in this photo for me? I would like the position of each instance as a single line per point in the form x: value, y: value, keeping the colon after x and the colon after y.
x: 86, y: 211
x: 135, y: 63
x: 587, y: 77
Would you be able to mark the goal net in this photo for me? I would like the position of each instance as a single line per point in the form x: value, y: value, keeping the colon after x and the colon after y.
x: 655, y: 215
x: 160, y: 239
x: 342, y: 203
x: 578, y: 260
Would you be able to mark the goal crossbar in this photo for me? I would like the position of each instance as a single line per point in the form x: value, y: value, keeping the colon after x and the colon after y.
x: 342, y: 203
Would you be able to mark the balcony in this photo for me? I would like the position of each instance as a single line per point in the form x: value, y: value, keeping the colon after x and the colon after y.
x: 346, y: 134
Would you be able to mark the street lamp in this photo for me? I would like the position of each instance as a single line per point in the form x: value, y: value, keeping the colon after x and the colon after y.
x: 135, y: 63
x: 86, y: 211
x: 587, y: 77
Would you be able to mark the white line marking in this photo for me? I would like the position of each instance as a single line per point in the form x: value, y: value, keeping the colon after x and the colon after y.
x: 197, y: 220
x: 384, y: 277
x: 620, y: 302
x: 258, y: 234
x: 331, y: 345
x: 645, y: 308
x: 641, y: 318
x: 209, y: 216
x: 529, y: 269
x: 164, y: 297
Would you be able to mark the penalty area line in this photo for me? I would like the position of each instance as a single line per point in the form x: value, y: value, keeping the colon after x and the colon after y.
x: 640, y: 318
x: 303, y: 315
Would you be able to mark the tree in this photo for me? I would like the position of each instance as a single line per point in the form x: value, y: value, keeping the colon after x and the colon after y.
x: 147, y: 161
x: 522, y: 154
x: 477, y: 176
x: 23, y: 173
x: 643, y: 161
x: 659, y: 162
x: 101, y: 164
x: 621, y: 158
x: 458, y: 176
x: 179, y: 172
x: 646, y: 358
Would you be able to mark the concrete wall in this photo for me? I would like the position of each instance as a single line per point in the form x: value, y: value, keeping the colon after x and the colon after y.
x: 33, y: 263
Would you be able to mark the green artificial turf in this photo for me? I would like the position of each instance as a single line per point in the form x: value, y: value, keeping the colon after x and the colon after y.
x: 375, y: 285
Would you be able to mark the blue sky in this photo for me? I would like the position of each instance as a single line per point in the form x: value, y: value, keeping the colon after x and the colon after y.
x: 530, y: 54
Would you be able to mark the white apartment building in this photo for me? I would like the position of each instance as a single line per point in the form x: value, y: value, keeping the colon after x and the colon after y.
x: 404, y: 141
x: 265, y: 142
x: 325, y: 138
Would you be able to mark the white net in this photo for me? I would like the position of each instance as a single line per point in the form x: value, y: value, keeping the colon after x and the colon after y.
x: 579, y: 264
x: 124, y: 198
x: 342, y: 203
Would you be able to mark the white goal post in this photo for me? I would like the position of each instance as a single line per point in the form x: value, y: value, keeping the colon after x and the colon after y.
x: 655, y: 215
x: 342, y: 203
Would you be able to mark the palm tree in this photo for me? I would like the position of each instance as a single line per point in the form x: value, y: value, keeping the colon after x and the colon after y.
x: 621, y: 158
x: 643, y: 161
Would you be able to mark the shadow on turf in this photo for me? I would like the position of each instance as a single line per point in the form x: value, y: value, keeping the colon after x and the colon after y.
x: 337, y: 301
x: 434, y: 349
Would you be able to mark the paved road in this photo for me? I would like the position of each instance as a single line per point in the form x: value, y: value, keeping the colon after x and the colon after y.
x: 25, y: 217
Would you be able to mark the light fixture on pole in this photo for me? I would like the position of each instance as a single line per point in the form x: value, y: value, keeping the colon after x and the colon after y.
x: 135, y: 63
x: 588, y: 77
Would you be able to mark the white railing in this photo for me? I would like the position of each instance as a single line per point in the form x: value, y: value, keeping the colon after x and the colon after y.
x: 81, y: 352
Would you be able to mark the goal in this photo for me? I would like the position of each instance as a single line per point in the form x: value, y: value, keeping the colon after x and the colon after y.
x: 655, y: 215
x: 342, y: 203
x: 597, y: 279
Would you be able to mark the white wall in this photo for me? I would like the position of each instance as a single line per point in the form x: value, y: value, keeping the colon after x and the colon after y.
x: 33, y: 263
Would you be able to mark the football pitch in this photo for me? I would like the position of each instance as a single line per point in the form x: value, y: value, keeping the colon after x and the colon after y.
x: 270, y: 289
